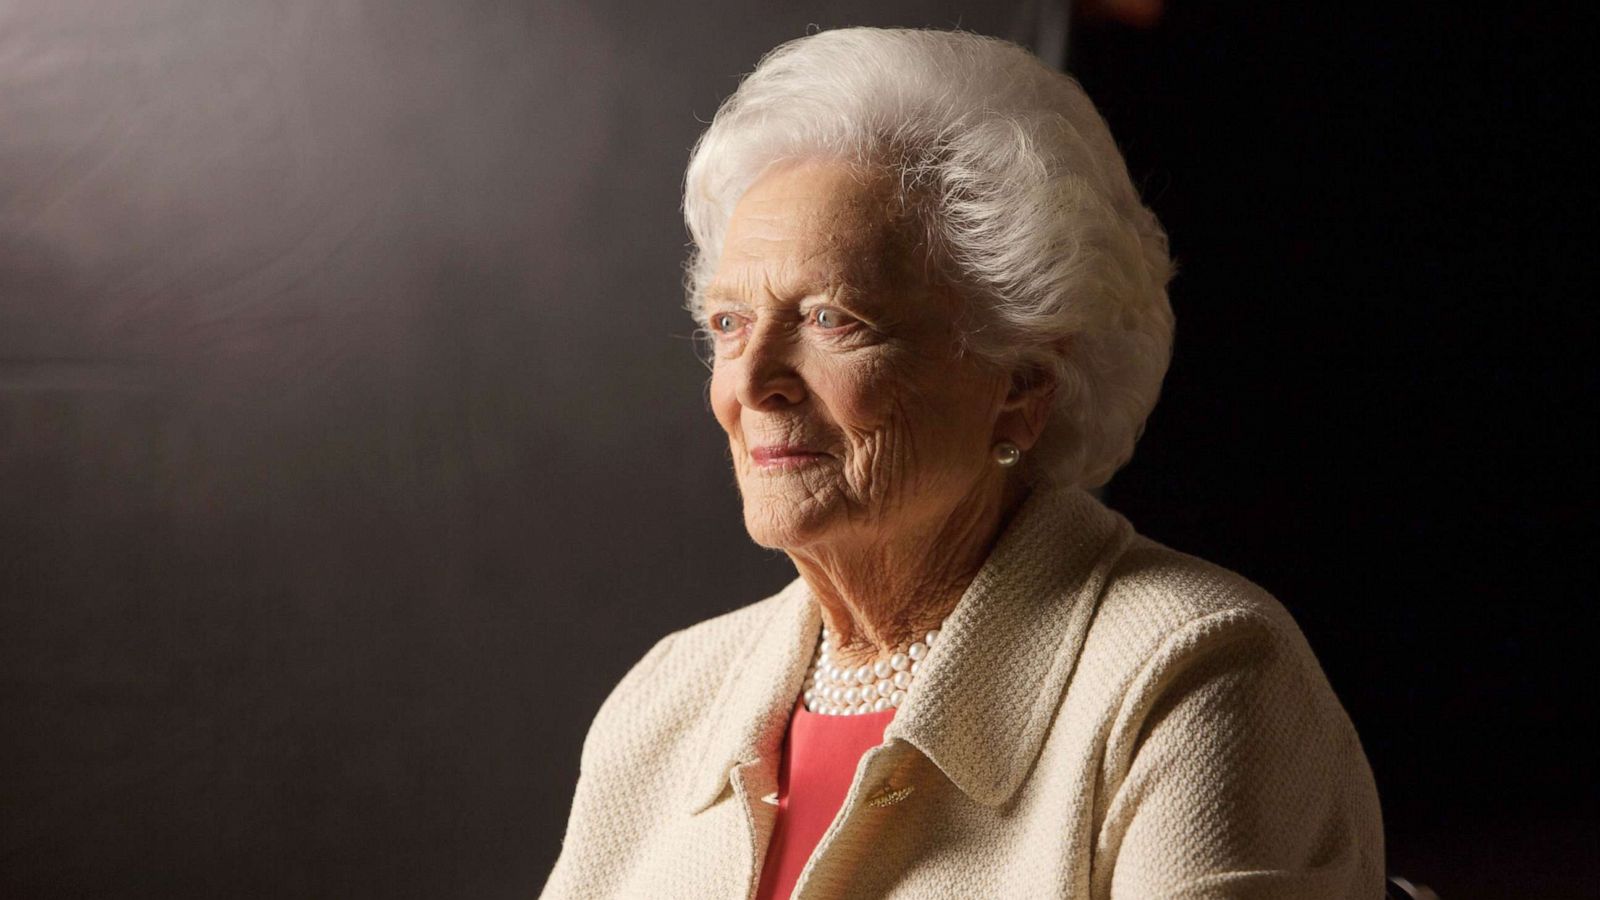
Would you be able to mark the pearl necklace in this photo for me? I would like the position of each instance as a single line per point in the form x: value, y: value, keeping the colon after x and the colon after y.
x: 833, y: 690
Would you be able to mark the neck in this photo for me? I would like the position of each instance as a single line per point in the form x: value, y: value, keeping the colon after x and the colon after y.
x: 878, y: 595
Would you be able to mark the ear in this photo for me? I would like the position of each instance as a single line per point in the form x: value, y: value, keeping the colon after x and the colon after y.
x: 1028, y: 402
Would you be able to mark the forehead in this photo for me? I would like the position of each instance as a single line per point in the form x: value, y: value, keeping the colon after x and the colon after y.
x: 815, y: 221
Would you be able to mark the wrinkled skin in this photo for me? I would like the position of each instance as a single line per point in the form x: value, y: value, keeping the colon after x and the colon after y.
x: 832, y: 336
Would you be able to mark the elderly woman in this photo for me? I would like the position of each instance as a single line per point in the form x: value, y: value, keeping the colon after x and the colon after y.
x: 937, y: 317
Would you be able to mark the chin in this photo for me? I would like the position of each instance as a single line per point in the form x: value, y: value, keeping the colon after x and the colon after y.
x: 786, y: 523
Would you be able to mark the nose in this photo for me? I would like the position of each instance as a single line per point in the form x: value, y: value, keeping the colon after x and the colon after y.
x: 768, y: 379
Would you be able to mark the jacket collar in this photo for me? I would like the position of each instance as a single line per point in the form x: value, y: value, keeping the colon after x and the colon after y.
x: 1015, y: 634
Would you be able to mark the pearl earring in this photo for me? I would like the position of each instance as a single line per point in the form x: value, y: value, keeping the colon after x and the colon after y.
x: 1007, y: 454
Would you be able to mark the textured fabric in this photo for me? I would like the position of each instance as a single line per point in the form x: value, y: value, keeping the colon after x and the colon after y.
x: 1103, y: 717
x: 819, y: 759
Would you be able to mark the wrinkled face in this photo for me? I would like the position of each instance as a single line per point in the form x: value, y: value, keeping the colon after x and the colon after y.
x: 849, y: 413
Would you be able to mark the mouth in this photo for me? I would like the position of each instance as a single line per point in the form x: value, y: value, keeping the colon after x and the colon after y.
x: 784, y: 457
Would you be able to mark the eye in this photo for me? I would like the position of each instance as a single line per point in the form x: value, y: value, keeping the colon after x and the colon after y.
x: 829, y: 318
x: 724, y: 323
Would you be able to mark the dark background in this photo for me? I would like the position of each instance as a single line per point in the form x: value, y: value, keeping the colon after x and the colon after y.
x: 352, y: 443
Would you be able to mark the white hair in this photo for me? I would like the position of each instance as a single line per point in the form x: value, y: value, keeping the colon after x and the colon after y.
x: 1024, y: 196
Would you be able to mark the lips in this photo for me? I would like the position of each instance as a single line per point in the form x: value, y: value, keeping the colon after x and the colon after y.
x: 784, y: 456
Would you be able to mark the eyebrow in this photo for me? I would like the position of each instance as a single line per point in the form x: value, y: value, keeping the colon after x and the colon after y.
x: 840, y: 284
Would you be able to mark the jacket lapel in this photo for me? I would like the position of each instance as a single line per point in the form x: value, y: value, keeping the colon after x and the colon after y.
x: 752, y: 709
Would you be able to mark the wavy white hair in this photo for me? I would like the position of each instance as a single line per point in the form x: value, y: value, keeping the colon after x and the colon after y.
x: 1026, y: 202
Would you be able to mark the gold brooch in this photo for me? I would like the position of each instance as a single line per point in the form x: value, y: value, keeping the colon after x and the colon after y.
x: 890, y: 796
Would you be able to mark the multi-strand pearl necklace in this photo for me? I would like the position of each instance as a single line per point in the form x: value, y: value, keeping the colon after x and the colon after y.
x: 834, y: 690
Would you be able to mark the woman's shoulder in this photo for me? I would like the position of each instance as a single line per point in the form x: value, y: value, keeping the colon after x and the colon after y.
x: 1209, y: 698
x: 722, y: 636
x: 1158, y: 600
x: 683, y: 672
x: 1154, y: 588
x: 1172, y: 629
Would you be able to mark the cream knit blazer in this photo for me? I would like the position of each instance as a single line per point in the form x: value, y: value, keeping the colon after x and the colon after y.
x: 1102, y: 717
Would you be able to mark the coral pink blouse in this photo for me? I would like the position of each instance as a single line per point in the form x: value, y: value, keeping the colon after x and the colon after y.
x: 820, y: 754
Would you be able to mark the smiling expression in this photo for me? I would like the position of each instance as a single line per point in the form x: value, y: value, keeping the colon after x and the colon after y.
x: 849, y: 410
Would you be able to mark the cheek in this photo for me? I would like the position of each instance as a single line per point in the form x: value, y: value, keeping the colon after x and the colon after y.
x: 876, y: 408
x: 914, y: 416
x: 724, y: 403
x: 859, y: 396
